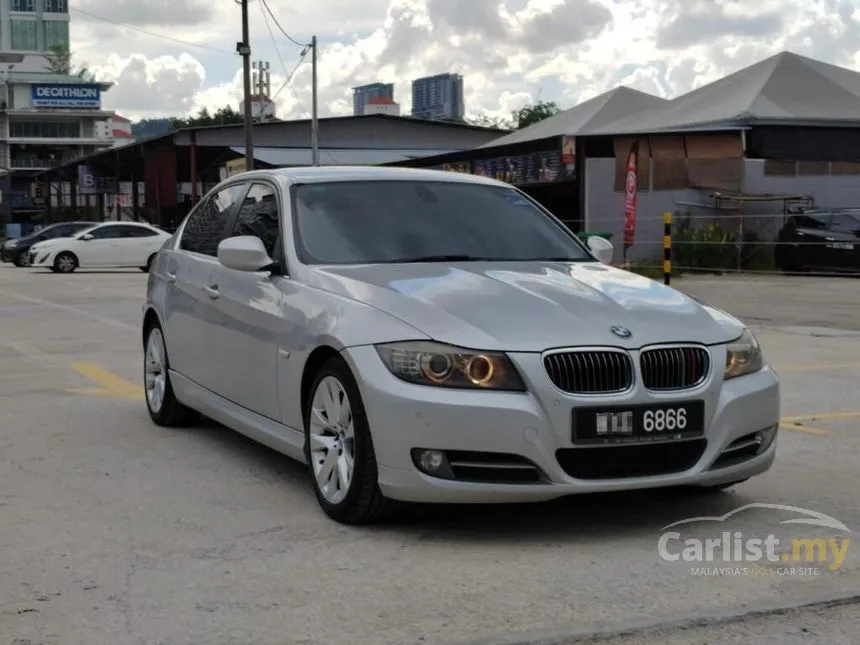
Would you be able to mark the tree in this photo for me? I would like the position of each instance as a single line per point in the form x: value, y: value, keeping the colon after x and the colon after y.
x: 59, y: 60
x: 486, y: 121
x: 531, y: 114
x: 222, y: 116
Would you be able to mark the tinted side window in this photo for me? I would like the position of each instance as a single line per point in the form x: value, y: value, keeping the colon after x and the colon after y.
x: 139, y: 231
x: 845, y: 223
x: 204, y: 230
x: 259, y: 216
x: 108, y: 232
x: 812, y: 220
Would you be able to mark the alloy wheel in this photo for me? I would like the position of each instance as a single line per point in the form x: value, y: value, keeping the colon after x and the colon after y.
x: 332, y: 439
x: 155, y: 376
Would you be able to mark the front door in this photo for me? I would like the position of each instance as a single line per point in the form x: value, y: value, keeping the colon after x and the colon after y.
x: 191, y: 307
x: 249, y: 307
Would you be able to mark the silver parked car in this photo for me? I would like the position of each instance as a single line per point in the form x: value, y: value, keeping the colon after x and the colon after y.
x: 427, y: 336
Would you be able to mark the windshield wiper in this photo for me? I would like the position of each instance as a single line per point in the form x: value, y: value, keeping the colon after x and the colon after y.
x: 445, y: 258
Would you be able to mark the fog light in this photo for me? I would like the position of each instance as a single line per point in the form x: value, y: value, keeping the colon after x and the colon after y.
x: 433, y: 463
x: 766, y: 438
x: 431, y: 460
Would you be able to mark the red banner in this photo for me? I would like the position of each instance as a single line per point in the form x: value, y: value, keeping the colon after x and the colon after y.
x: 631, y: 193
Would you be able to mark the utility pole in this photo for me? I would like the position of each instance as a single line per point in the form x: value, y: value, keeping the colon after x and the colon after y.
x: 244, y: 49
x: 315, y: 127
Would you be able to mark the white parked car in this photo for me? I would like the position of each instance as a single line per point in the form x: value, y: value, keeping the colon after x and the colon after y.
x: 107, y: 245
x: 425, y: 336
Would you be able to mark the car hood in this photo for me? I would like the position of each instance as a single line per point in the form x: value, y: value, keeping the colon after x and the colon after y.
x: 530, y: 306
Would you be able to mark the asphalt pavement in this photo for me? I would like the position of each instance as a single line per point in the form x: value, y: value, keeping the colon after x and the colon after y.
x: 115, y: 531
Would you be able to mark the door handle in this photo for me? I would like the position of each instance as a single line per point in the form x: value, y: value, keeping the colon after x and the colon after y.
x: 171, y: 277
x: 212, y: 292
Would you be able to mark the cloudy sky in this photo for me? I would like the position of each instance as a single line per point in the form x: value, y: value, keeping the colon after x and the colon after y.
x: 173, y: 57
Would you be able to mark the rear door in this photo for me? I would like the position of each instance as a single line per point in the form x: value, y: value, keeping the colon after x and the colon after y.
x: 138, y: 243
x: 193, y: 325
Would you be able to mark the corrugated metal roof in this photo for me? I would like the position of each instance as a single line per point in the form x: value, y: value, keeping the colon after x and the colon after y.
x: 46, y: 77
x: 606, y: 108
x: 336, y: 156
x: 783, y: 89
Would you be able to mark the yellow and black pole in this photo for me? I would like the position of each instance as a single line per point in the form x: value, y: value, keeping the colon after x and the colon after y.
x: 667, y: 247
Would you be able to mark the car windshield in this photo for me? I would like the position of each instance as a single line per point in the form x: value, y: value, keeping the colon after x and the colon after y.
x: 365, y: 222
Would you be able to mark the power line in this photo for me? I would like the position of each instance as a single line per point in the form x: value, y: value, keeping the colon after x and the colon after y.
x: 150, y: 33
x: 272, y: 36
x: 289, y: 80
x: 280, y: 28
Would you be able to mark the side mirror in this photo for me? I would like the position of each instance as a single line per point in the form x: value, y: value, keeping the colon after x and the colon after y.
x: 86, y: 237
x: 601, y: 248
x: 244, y: 253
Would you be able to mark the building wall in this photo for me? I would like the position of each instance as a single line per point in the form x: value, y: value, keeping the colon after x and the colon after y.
x: 392, y: 109
x: 438, y: 97
x: 604, y: 211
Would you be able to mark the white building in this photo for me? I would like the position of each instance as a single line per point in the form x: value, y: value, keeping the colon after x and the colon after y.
x: 262, y: 108
x: 381, y: 105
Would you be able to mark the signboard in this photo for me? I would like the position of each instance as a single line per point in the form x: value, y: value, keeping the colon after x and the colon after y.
x: 86, y: 181
x: 540, y: 167
x: 64, y: 95
x: 235, y: 166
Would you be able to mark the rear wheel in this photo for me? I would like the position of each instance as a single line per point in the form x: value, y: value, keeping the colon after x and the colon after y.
x: 339, y: 449
x: 65, y: 262
x: 161, y: 403
x: 148, y: 265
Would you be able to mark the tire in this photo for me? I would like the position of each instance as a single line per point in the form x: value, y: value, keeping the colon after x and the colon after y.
x: 65, y: 262
x: 161, y: 403
x: 148, y: 265
x: 360, y: 501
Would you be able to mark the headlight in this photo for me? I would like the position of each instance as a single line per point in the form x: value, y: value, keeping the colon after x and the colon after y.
x: 743, y: 356
x: 429, y: 363
x: 10, y: 244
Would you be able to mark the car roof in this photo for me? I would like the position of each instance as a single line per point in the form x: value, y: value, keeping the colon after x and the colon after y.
x: 313, y: 174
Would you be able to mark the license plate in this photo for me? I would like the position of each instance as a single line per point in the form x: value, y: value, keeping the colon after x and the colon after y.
x: 639, y: 423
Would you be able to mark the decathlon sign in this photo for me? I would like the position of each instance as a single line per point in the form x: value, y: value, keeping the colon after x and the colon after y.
x: 61, y: 95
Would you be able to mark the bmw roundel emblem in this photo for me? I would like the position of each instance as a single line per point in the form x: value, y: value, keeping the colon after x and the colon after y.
x: 621, y: 332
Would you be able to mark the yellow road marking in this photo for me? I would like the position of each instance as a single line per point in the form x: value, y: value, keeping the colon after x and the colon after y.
x: 794, y: 427
x: 822, y: 416
x: 816, y: 367
x: 112, y: 386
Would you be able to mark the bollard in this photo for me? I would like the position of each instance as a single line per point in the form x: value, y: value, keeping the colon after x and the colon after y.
x: 667, y: 247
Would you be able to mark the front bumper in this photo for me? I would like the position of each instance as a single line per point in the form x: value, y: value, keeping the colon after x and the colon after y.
x: 533, y: 430
x: 41, y: 258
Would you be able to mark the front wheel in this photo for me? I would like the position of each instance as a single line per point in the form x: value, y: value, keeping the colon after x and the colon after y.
x: 148, y: 265
x: 65, y: 262
x: 339, y: 449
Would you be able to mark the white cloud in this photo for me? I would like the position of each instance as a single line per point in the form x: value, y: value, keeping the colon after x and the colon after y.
x: 507, y: 50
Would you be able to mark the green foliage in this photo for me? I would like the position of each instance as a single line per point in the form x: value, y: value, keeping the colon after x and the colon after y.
x: 223, y: 116
x: 712, y: 246
x: 531, y: 114
x: 59, y: 60
x: 486, y: 121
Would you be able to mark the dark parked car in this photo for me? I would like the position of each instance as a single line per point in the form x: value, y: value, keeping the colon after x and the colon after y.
x: 16, y: 250
x: 826, y: 239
